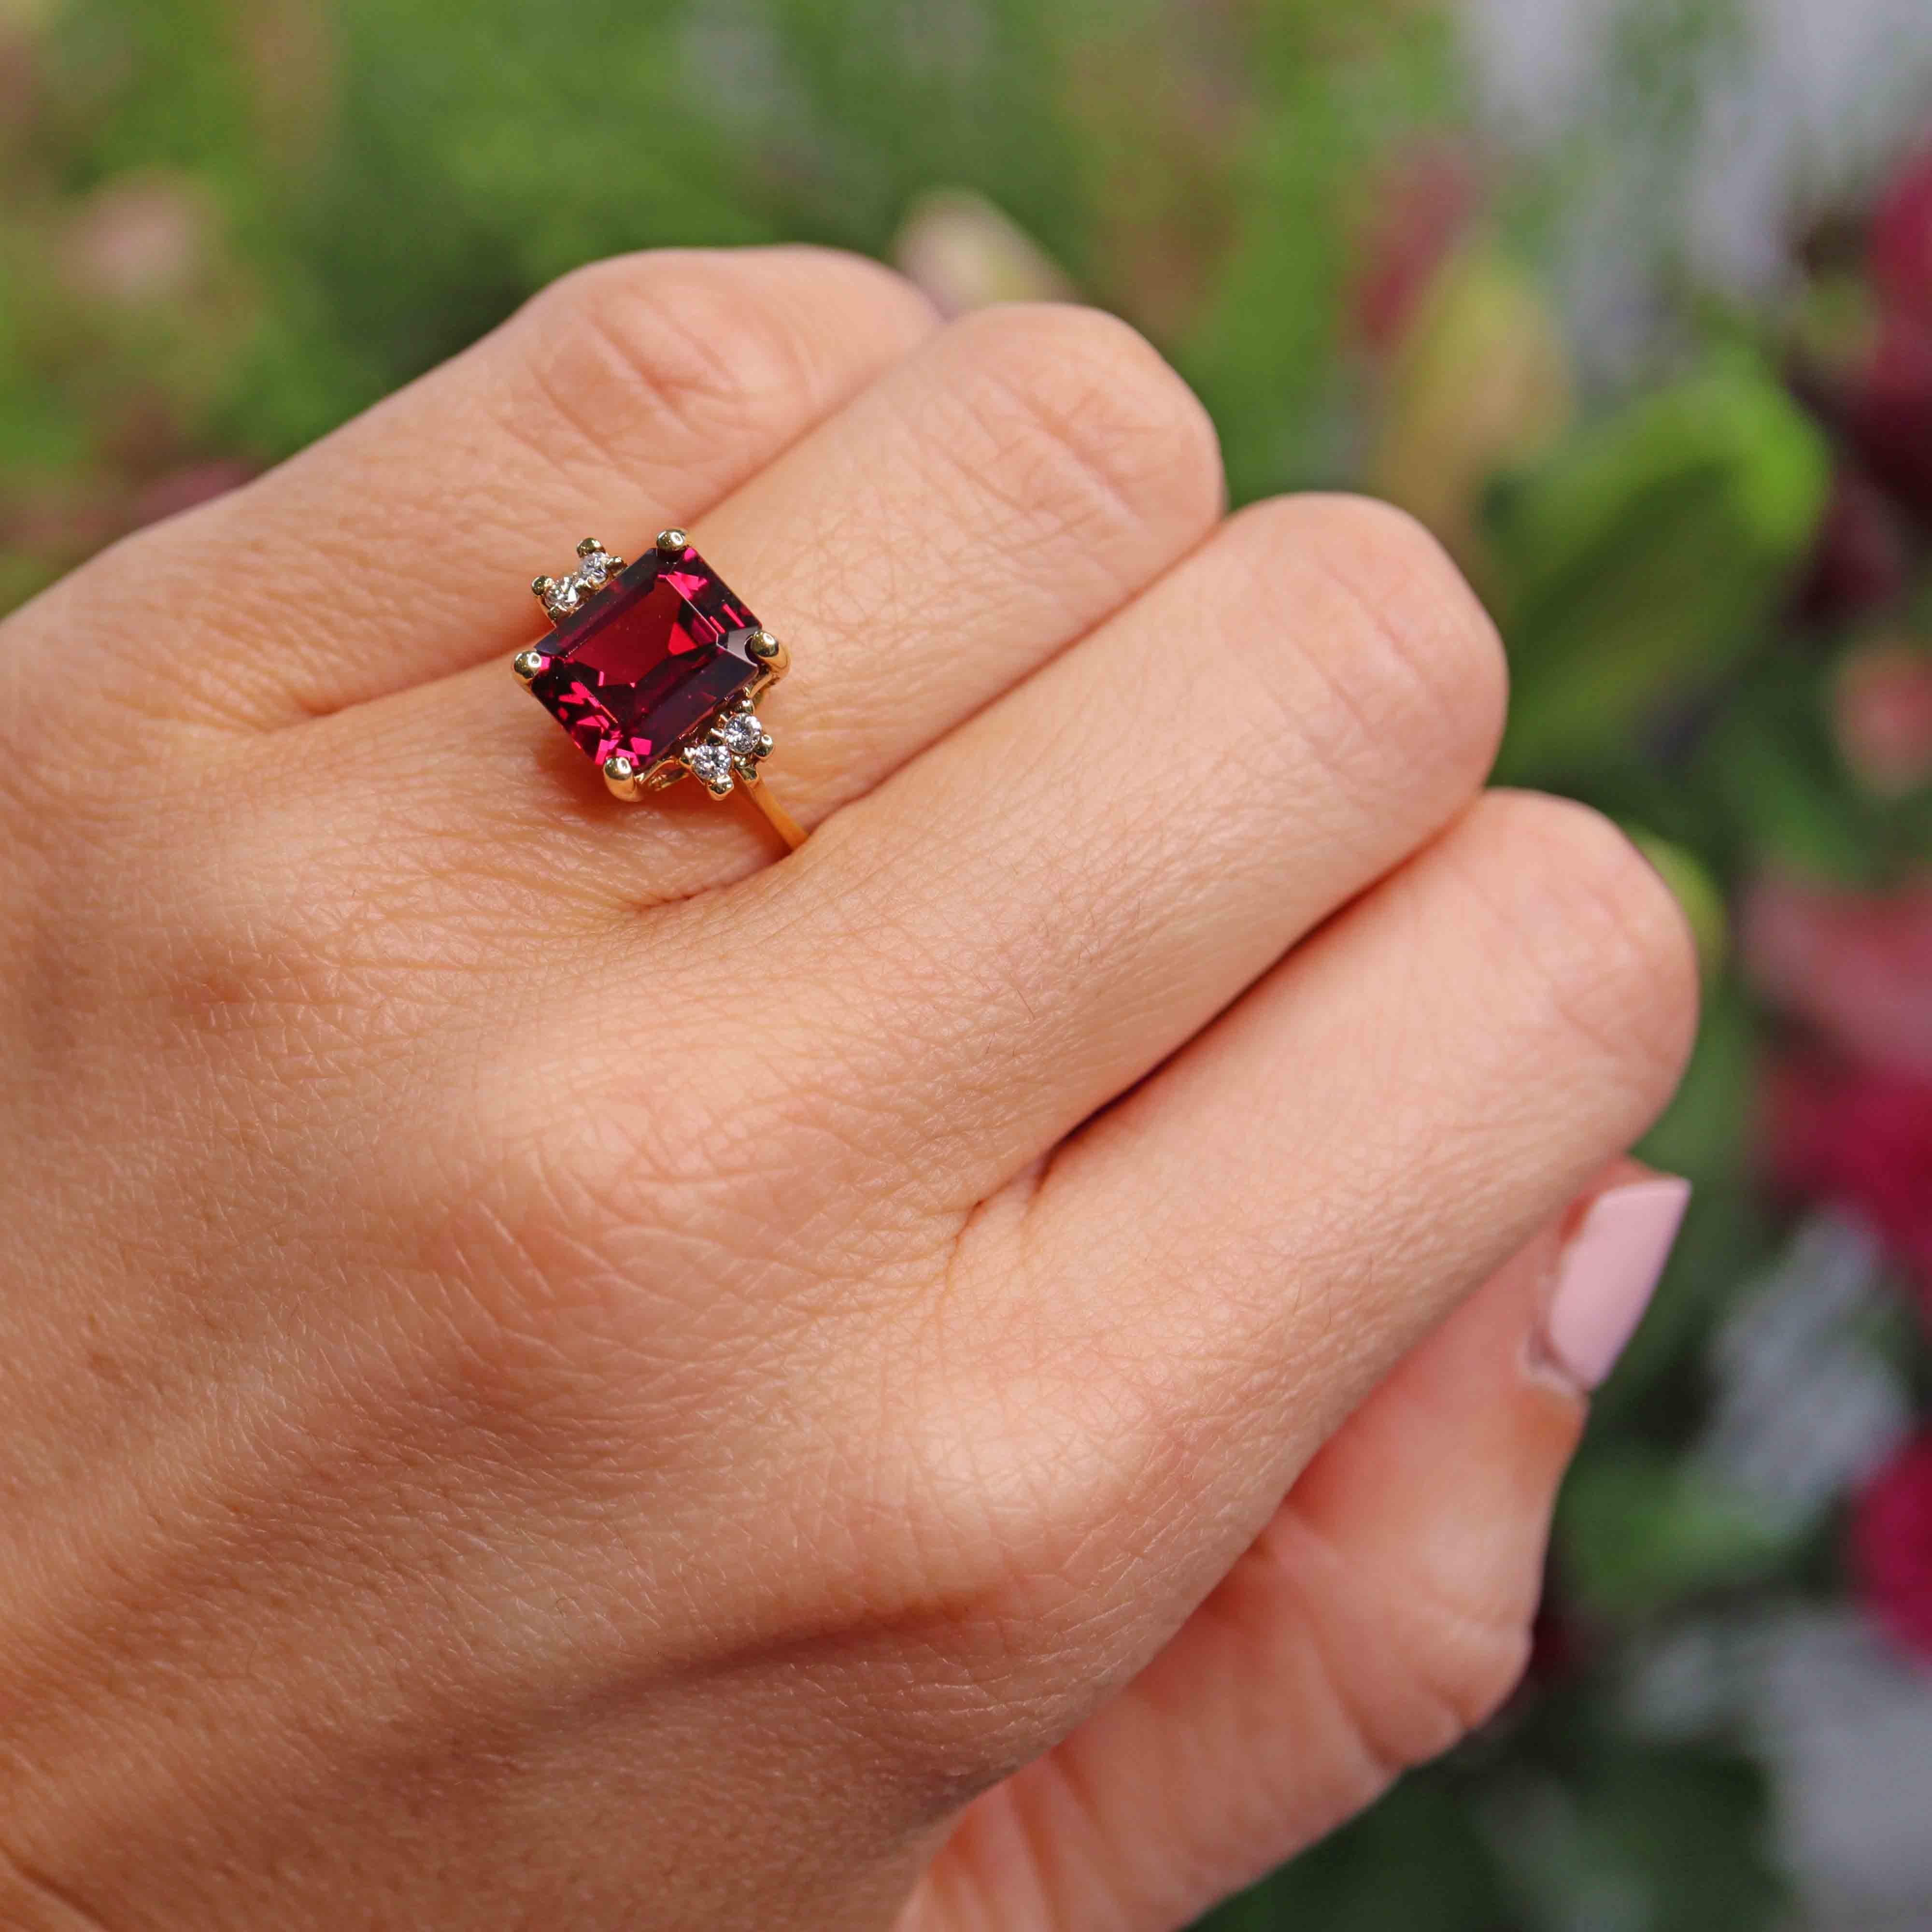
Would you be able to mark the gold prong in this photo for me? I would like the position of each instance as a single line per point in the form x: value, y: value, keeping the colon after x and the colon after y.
x: 590, y: 546
x: 541, y: 586
x: 621, y: 775
x: 673, y: 542
x: 528, y: 665
x: 771, y: 657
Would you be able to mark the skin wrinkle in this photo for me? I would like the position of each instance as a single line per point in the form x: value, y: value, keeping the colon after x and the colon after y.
x: 1035, y: 445
x: 71, y: 1915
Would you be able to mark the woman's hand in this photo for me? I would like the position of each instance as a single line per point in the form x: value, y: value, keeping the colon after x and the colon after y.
x: 558, y: 1372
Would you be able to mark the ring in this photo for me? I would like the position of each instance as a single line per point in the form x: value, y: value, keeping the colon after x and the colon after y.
x: 655, y: 669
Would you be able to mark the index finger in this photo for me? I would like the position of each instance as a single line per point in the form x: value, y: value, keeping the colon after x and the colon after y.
x: 632, y: 393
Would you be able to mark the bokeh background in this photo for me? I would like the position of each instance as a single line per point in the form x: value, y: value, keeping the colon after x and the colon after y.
x: 1630, y: 300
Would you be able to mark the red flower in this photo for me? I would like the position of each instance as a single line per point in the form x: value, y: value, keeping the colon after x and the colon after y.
x: 1891, y: 1546
x: 1425, y: 202
x: 1859, y: 560
x: 1899, y: 254
x: 1888, y: 412
x: 1862, y: 1138
x: 1857, y: 966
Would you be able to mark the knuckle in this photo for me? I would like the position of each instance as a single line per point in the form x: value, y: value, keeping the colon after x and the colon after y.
x: 1601, y: 930
x: 1443, y: 1654
x: 1072, y: 420
x: 1411, y: 658
x: 706, y: 340
x: 1456, y: 1667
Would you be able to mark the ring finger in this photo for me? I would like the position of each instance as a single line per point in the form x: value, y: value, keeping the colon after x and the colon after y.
x: 988, y: 501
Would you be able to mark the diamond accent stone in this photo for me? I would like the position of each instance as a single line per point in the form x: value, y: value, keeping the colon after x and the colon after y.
x: 563, y: 596
x: 744, y: 736
x: 651, y: 662
x: 711, y: 762
x: 593, y: 571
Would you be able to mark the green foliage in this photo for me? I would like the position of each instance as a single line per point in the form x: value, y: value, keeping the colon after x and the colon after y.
x: 1642, y: 1838
x: 1638, y: 1838
x: 1420, y: 1861
x: 1640, y: 1531
x: 1648, y: 556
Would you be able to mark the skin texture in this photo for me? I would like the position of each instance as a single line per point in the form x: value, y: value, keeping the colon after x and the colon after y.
x: 561, y: 1373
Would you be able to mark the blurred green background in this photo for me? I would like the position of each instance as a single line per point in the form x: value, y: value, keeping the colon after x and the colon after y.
x: 1681, y: 443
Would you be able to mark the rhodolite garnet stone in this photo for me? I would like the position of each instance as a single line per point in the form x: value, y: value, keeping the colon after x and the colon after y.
x: 641, y: 662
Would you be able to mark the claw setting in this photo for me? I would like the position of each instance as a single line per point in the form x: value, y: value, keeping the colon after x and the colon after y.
x: 730, y: 752
x: 652, y: 668
x: 595, y: 567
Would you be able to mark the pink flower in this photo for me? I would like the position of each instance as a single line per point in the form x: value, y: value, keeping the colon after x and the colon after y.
x: 1863, y: 1140
x: 182, y: 489
x: 1858, y: 966
x: 1421, y: 211
x: 137, y: 240
x: 1881, y: 717
x: 1891, y: 1545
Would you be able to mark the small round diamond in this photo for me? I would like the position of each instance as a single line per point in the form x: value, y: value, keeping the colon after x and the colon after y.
x: 744, y: 736
x: 564, y: 595
x: 711, y: 763
x: 593, y: 570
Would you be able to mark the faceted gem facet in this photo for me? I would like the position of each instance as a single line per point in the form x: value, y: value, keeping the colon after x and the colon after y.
x: 638, y: 666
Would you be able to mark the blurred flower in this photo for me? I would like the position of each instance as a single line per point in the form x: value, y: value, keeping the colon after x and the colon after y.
x: 1862, y: 1140
x: 137, y: 241
x: 1857, y: 966
x: 966, y: 254
x: 1891, y: 1545
x: 1899, y: 256
x: 1888, y: 412
x: 1860, y: 562
x: 1561, y: 1645
x: 1882, y: 718
x: 1421, y: 211
x: 182, y: 489
x: 1479, y: 385
x: 1888, y: 407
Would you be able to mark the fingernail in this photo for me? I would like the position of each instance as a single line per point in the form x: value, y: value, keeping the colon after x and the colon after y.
x: 1607, y: 1273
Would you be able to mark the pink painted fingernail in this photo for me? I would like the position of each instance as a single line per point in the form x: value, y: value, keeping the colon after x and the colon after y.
x: 1608, y: 1272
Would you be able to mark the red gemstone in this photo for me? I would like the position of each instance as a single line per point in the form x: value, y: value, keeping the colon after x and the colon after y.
x: 648, y: 660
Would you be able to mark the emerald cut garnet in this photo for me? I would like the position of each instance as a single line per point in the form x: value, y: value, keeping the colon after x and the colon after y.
x: 647, y: 659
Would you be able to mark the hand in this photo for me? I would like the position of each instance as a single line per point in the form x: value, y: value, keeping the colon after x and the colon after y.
x: 561, y: 1372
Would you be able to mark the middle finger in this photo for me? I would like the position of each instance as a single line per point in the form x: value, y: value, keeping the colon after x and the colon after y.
x: 1042, y: 908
